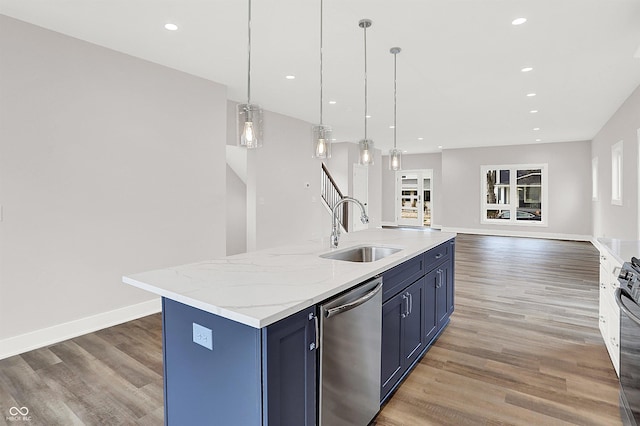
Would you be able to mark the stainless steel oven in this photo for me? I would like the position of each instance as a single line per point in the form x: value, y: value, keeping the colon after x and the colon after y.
x: 628, y: 299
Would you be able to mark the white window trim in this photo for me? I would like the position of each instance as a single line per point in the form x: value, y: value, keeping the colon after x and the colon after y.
x: 617, y: 157
x: 513, y: 196
x: 594, y: 179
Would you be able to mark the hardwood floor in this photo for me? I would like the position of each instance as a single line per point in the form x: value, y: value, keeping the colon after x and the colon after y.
x: 523, y: 348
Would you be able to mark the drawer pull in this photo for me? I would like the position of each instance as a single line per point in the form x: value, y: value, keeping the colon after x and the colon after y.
x: 438, y: 256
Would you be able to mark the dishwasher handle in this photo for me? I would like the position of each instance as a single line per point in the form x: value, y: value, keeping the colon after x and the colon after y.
x: 348, y: 306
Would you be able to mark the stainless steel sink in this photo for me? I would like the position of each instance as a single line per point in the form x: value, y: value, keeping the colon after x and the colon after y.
x: 361, y: 253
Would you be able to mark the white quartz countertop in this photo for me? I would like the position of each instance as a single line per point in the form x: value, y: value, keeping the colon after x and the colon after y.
x: 261, y: 287
x: 622, y: 250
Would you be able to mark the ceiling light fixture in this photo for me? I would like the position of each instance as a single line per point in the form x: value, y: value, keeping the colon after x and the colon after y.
x: 530, y: 95
x: 249, y: 115
x: 290, y: 77
x: 170, y: 27
x: 533, y: 111
x: 366, y: 145
x: 518, y: 21
x: 526, y: 69
x: 395, y: 155
x: 332, y: 102
x: 420, y: 139
x: 536, y: 128
x: 321, y: 134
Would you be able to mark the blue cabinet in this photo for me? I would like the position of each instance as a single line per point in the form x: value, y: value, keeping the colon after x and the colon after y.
x: 290, y: 354
x: 402, y: 334
x: 248, y: 376
x: 417, y: 303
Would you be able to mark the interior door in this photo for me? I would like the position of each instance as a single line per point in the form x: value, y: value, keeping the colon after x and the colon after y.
x: 360, y: 193
x: 409, y: 201
x: 414, y: 204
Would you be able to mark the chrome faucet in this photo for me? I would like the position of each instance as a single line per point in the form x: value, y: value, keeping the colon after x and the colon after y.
x: 335, y: 230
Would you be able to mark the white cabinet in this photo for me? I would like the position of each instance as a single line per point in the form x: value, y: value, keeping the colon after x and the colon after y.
x: 609, y: 315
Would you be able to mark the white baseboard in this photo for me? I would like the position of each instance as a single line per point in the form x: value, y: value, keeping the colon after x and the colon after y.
x: 68, y: 330
x: 525, y: 234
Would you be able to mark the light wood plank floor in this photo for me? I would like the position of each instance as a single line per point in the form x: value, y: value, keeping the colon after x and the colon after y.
x: 523, y: 345
x: 522, y: 348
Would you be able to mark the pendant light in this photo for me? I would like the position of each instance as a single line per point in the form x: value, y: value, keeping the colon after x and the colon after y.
x: 249, y: 115
x: 321, y: 133
x: 395, y: 155
x: 366, y: 145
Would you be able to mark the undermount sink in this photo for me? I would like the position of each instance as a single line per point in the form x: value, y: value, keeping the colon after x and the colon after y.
x: 361, y: 253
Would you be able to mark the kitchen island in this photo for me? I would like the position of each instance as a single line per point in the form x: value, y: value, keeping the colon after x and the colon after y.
x: 239, y: 332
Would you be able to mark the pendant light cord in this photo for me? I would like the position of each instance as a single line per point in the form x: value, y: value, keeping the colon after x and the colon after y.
x: 321, y: 69
x: 395, y: 98
x: 249, y: 62
x: 365, y: 82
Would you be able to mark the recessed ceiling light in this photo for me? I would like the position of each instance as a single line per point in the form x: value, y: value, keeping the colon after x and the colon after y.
x: 332, y: 102
x: 538, y: 140
x: 420, y: 139
x: 536, y: 128
x: 533, y: 111
x: 334, y: 139
x: 170, y: 27
x: 404, y: 151
x: 392, y: 127
x: 530, y: 95
x: 526, y: 69
x: 518, y: 21
x: 367, y: 116
x: 290, y: 77
x: 439, y: 146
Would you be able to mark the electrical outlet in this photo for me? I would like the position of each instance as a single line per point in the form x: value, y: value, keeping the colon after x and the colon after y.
x: 202, y: 336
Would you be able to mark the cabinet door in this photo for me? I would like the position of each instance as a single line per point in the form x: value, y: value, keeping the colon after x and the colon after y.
x: 413, y: 327
x: 393, y: 311
x: 290, y: 368
x: 444, y: 293
x: 430, y: 315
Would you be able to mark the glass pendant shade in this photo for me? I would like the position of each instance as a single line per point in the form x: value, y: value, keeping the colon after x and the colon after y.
x: 395, y: 159
x: 366, y: 152
x: 321, y: 141
x: 250, y: 126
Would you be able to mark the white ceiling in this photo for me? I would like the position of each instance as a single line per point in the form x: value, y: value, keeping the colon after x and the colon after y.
x: 459, y: 78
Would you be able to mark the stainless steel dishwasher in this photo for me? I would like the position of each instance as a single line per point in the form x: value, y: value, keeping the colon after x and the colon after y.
x: 350, y: 349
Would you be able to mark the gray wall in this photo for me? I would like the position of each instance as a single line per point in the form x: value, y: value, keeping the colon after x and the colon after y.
x: 613, y: 221
x: 281, y: 189
x: 108, y: 165
x: 343, y: 156
x: 569, y: 170
x: 286, y: 184
x: 412, y: 162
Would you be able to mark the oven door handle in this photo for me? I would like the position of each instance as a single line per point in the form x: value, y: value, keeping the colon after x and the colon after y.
x: 623, y: 308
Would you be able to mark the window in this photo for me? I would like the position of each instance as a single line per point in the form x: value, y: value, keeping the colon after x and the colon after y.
x: 594, y: 178
x: 616, y: 174
x: 514, y: 194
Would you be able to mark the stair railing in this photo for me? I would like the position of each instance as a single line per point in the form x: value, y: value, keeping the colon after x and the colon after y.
x: 331, y: 194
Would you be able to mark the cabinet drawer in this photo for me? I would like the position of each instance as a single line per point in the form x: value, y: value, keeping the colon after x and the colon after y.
x: 436, y: 255
x: 399, y: 277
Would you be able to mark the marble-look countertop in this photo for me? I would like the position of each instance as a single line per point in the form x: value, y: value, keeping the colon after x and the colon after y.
x: 261, y: 287
x: 621, y: 250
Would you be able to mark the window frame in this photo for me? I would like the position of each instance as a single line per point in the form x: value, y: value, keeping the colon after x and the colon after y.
x: 513, y: 195
x: 617, y: 173
x: 594, y: 179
